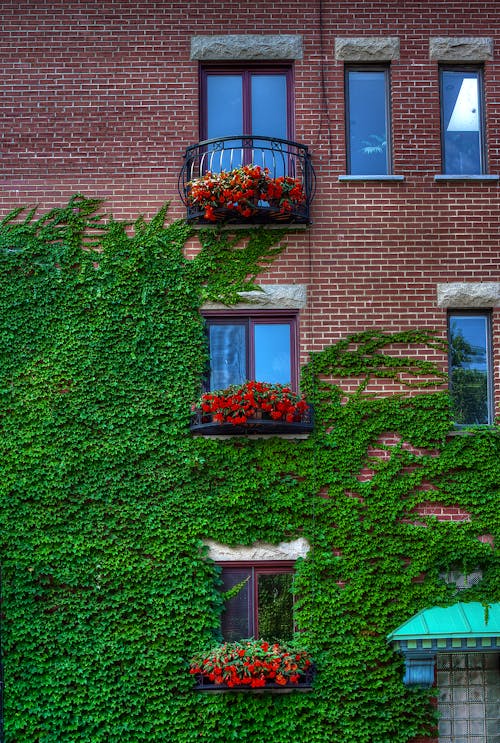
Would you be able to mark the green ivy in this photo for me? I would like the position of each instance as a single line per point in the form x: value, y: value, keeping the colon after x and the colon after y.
x: 106, y: 497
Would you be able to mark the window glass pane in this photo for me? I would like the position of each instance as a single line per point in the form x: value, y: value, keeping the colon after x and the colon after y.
x: 461, y: 113
x: 275, y: 607
x: 224, y: 105
x: 228, y: 355
x: 237, y: 617
x: 367, y: 124
x: 224, y: 117
x: 272, y: 353
x: 269, y: 117
x: 469, y: 367
x: 269, y: 105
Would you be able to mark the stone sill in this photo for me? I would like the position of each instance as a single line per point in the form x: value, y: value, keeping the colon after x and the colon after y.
x: 381, y: 178
x: 450, y: 177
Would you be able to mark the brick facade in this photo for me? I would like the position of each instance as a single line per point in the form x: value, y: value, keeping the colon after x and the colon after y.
x: 102, y: 98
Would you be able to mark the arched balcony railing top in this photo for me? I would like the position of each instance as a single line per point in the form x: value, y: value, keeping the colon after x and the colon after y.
x: 247, y: 179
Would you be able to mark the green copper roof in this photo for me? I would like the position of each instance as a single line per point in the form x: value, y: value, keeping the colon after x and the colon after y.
x: 459, y: 620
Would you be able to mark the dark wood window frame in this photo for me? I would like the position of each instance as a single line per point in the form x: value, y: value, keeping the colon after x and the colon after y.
x: 246, y: 70
x: 256, y: 568
x: 251, y: 318
x: 479, y: 70
x: 385, y: 68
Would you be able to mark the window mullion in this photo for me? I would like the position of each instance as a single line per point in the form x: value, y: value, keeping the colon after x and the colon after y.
x: 253, y: 619
x: 251, y: 349
x: 247, y: 112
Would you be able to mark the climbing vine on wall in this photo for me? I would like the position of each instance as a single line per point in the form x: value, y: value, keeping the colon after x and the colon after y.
x: 106, y: 496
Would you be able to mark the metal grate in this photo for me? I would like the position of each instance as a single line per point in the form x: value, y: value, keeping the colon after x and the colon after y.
x: 469, y: 697
x: 463, y: 580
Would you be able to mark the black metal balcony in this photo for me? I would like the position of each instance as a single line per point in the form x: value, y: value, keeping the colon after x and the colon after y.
x: 247, y: 180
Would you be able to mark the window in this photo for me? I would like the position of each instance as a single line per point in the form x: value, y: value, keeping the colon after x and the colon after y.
x: 462, y: 125
x: 261, y: 347
x: 469, y: 336
x: 251, y: 100
x: 461, y: 580
x: 263, y: 604
x: 368, y: 129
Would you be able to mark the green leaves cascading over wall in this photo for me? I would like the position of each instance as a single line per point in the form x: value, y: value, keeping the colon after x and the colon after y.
x: 106, y: 497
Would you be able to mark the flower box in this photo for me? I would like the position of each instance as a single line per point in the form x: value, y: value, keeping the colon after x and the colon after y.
x: 252, y: 408
x: 303, y: 685
x: 253, y: 666
x: 246, y: 192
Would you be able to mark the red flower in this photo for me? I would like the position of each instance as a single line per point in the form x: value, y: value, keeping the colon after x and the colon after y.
x: 239, y: 403
x: 252, y: 663
x: 235, y: 188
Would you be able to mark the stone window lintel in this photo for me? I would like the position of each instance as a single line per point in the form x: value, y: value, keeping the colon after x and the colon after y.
x: 246, y: 47
x: 469, y: 294
x: 367, y: 48
x: 257, y: 551
x: 271, y: 297
x: 461, y: 48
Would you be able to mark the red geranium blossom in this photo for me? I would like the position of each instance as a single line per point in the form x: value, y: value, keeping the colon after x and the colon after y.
x: 252, y: 663
x: 239, y: 403
x: 244, y: 190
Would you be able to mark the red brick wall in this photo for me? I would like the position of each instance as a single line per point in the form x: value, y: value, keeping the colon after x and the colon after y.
x: 102, y: 98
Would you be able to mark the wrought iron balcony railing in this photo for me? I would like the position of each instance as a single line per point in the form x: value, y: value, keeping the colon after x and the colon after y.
x: 247, y: 180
